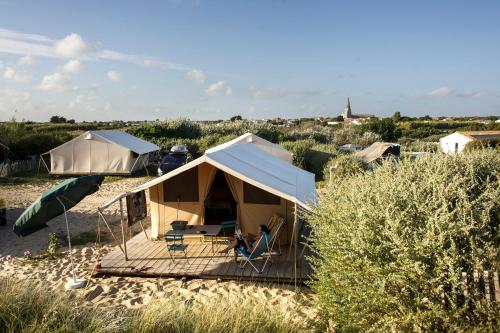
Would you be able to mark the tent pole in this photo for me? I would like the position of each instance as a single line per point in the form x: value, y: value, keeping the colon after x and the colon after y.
x: 110, y: 231
x: 295, y: 245
x: 69, y: 240
x: 123, y: 230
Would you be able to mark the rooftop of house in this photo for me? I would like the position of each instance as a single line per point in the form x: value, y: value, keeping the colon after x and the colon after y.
x: 481, y: 134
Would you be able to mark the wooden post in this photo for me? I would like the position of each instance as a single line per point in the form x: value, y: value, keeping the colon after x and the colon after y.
x: 496, y: 284
x: 486, y: 277
x: 123, y: 230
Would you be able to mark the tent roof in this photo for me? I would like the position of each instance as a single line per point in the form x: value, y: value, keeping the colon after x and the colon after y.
x: 375, y: 151
x: 126, y: 140
x: 267, y: 146
x: 256, y: 167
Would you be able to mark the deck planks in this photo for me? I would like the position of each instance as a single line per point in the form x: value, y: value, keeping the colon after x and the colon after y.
x: 149, y: 258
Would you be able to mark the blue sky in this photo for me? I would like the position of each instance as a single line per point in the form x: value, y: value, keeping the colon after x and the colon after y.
x: 201, y: 59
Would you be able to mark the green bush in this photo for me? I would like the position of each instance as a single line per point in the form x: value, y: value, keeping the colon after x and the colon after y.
x: 344, y: 166
x: 299, y: 150
x: 180, y: 128
x: 390, y: 245
x: 482, y: 144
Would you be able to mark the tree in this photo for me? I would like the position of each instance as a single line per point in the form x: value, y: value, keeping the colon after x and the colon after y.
x: 235, y: 118
x: 385, y: 128
x: 57, y: 119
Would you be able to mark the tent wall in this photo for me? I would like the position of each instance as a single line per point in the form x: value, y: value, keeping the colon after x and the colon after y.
x: 84, y: 156
x: 249, y: 215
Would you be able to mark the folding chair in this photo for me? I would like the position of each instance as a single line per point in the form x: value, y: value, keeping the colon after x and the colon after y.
x: 265, y: 244
x: 175, y: 243
x: 275, y: 224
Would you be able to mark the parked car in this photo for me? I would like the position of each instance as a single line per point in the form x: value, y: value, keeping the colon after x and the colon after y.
x: 176, y: 157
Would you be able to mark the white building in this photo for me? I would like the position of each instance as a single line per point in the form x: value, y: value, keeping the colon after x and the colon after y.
x: 455, y: 143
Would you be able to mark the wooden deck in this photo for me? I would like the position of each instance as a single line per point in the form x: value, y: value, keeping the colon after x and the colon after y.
x: 149, y: 258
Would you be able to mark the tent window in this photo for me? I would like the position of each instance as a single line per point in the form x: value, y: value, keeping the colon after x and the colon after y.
x: 183, y: 187
x: 255, y: 195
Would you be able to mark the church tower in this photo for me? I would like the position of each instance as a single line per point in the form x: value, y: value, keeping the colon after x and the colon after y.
x: 347, y: 114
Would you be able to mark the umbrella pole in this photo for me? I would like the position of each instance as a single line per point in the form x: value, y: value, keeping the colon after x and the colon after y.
x: 75, y: 283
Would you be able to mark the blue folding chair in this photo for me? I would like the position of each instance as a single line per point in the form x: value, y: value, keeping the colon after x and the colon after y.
x: 175, y: 243
x: 265, y: 244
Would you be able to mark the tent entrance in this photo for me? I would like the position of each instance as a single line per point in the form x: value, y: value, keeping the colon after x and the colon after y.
x: 220, y: 204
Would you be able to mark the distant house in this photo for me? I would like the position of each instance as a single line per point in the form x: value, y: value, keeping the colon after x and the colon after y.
x: 350, y: 148
x: 455, y: 143
x: 354, y: 118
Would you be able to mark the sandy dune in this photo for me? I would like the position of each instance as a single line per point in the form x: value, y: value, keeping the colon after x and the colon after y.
x: 122, y: 292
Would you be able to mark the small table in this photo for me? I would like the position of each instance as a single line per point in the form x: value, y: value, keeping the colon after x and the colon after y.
x: 211, y: 231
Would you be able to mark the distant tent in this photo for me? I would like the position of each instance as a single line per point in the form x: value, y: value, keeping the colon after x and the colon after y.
x: 105, y: 152
x: 268, y: 147
x: 378, y: 151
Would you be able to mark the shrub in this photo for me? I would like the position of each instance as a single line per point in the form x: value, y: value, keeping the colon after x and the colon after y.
x: 52, y: 245
x: 299, y: 149
x: 350, y: 135
x: 390, y: 245
x: 345, y: 166
x: 482, y: 144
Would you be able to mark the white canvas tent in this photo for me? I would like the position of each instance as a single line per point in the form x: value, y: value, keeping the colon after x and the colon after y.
x: 242, y: 164
x: 249, y: 138
x: 106, y: 152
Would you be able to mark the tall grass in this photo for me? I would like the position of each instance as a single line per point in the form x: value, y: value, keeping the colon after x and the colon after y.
x: 28, y: 309
x: 32, y: 309
x: 219, y: 315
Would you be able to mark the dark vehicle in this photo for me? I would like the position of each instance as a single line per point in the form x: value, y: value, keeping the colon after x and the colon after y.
x: 176, y: 157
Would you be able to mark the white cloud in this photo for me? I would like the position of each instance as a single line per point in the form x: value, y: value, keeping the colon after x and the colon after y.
x: 471, y: 94
x: 218, y: 88
x: 113, y: 76
x: 56, y: 82
x: 441, y: 92
x: 271, y: 93
x: 71, y: 46
x: 11, y: 74
x: 196, y: 75
x: 26, y: 60
x: 73, y: 66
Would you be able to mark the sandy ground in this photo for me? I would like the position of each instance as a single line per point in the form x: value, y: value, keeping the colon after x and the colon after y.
x: 121, y: 292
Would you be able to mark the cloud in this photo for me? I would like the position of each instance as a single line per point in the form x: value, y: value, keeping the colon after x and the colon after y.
x: 56, y: 82
x: 270, y: 93
x: 196, y: 75
x: 75, y: 47
x: 71, y: 46
x: 11, y: 74
x: 11, y: 100
x: 441, y: 92
x: 219, y: 88
x: 113, y: 76
x: 471, y: 94
x: 73, y: 66
x: 26, y: 60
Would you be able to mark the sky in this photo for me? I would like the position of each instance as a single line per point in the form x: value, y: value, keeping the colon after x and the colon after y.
x: 202, y: 59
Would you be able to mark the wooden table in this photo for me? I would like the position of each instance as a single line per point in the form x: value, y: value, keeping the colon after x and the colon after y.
x: 211, y: 231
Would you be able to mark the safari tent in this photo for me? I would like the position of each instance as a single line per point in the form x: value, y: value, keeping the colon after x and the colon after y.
x: 268, y: 147
x: 243, y: 178
x: 104, y: 152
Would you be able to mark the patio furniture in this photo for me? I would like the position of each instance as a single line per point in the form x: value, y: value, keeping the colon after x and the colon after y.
x: 265, y: 244
x: 228, y: 225
x: 175, y: 243
x: 275, y: 224
x: 211, y: 231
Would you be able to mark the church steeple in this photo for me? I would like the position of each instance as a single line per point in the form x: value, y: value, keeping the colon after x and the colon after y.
x: 347, y: 110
